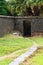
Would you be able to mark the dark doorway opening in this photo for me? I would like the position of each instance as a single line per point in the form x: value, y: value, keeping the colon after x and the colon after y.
x: 26, y: 28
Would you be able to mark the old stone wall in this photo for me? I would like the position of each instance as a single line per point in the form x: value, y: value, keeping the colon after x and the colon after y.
x: 9, y: 24
x: 6, y: 25
x: 36, y: 24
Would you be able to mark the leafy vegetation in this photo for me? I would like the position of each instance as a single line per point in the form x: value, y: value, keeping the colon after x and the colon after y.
x: 20, y: 7
x: 3, y: 7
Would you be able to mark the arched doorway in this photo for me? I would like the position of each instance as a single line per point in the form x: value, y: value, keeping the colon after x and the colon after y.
x: 26, y: 28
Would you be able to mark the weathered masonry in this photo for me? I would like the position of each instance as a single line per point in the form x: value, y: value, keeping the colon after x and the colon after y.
x: 27, y: 25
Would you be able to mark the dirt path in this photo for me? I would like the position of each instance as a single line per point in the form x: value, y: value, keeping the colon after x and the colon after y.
x: 11, y: 55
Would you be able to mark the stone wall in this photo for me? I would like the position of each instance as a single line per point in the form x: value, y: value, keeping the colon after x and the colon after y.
x: 36, y: 24
x: 6, y: 25
x: 9, y: 24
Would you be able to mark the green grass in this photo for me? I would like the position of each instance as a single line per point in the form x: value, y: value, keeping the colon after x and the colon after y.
x: 36, y: 59
x: 38, y: 40
x: 9, y: 60
x: 10, y: 43
x: 6, y: 61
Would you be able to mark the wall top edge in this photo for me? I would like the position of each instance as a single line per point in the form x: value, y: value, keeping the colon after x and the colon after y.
x: 22, y: 17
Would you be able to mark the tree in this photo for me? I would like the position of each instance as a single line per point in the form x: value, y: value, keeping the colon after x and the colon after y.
x: 3, y: 7
x: 20, y: 7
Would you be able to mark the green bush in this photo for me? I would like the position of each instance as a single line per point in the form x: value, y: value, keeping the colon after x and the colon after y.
x: 3, y: 7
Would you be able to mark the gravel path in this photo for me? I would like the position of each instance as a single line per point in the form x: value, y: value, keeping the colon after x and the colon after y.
x: 22, y: 57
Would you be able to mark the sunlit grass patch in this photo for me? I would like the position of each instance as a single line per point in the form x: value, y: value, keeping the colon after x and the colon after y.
x: 11, y: 43
x: 38, y: 40
x: 6, y: 61
x: 35, y: 59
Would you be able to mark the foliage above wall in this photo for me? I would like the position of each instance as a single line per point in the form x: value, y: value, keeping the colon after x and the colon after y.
x: 3, y: 9
x: 21, y: 7
x: 25, y: 7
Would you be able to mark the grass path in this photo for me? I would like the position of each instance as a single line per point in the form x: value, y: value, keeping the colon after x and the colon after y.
x: 13, y: 55
x: 13, y: 46
x: 35, y: 59
x: 22, y: 57
x: 10, y: 43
